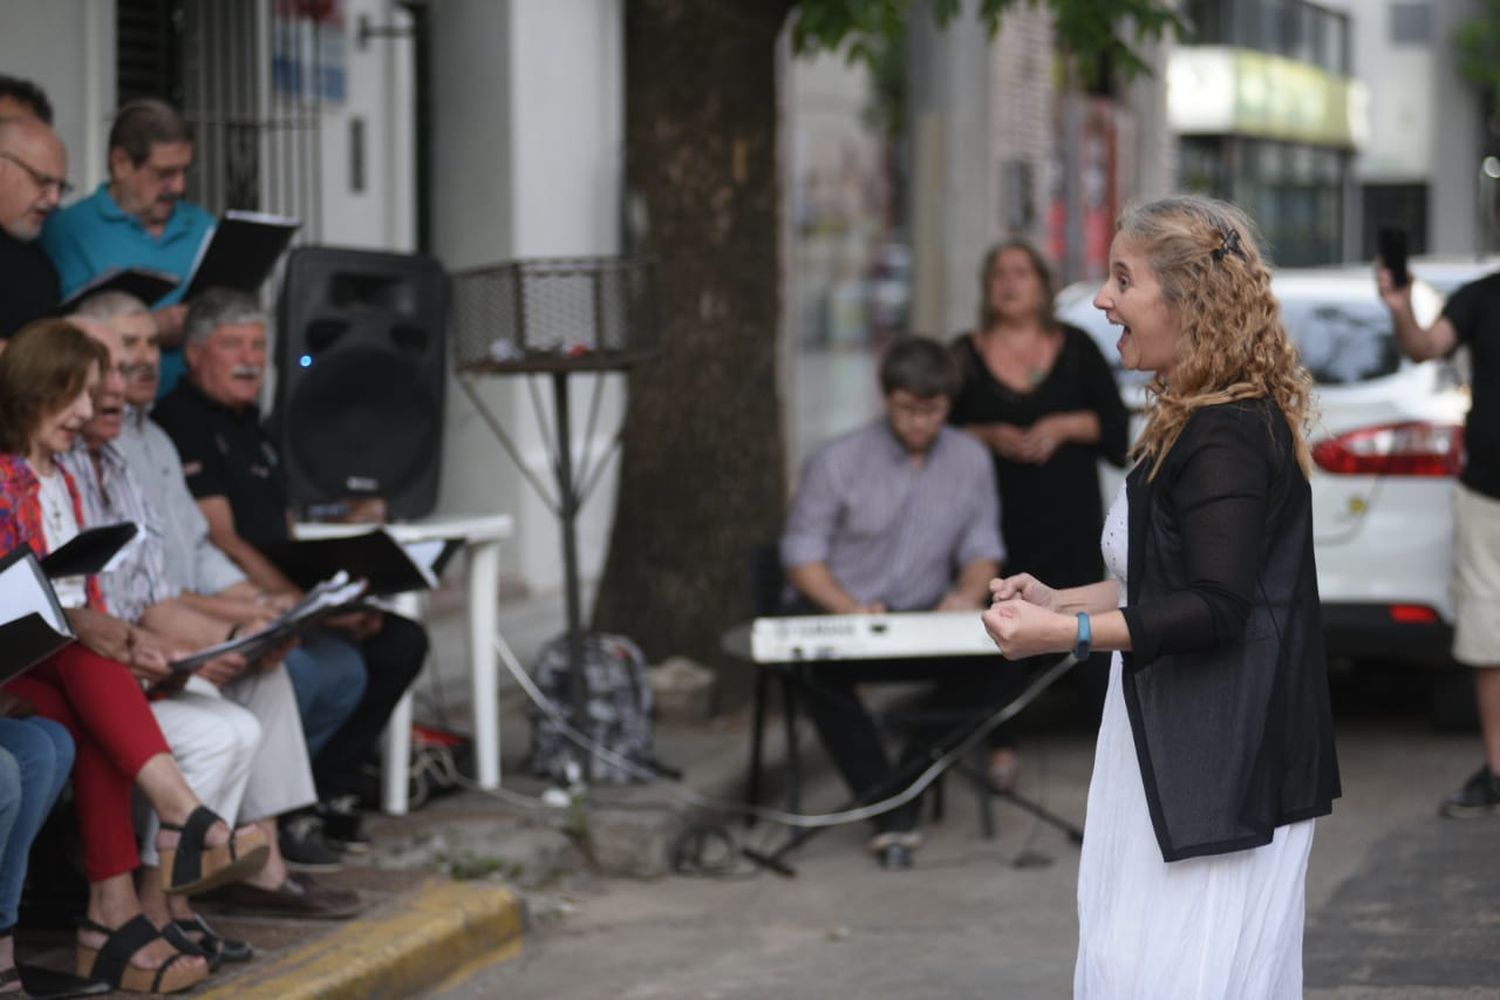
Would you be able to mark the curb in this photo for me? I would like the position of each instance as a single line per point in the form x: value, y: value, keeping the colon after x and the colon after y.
x: 439, y: 930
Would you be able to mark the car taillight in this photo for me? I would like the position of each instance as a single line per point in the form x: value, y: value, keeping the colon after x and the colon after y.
x: 1408, y: 449
x: 1413, y: 614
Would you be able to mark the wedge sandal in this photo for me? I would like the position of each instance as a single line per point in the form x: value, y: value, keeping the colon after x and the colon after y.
x: 212, y: 945
x: 12, y: 974
x: 192, y: 865
x: 111, y: 963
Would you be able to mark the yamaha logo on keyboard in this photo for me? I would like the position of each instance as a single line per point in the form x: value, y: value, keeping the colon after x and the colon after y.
x: 854, y: 637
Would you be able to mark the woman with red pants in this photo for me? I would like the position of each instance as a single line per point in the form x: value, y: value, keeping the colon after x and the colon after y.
x: 94, y: 687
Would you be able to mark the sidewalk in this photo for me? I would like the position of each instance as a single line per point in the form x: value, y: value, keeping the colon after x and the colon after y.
x: 454, y: 884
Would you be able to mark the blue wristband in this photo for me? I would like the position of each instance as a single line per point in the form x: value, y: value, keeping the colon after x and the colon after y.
x: 1085, y: 637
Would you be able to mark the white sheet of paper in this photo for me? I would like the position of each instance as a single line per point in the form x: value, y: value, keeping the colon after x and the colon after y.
x: 23, y: 591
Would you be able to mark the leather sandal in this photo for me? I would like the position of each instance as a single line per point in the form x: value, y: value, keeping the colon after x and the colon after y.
x: 214, y: 946
x: 111, y: 963
x: 189, y: 947
x: 12, y: 974
x: 196, y: 866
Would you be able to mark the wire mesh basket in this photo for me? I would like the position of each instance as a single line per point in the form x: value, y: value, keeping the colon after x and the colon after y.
x: 556, y: 314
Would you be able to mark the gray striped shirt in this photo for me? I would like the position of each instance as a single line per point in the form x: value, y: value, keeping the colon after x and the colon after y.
x: 887, y: 530
x: 111, y: 495
x: 193, y: 562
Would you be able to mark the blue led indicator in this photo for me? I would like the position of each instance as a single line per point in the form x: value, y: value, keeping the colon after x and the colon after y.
x: 305, y: 361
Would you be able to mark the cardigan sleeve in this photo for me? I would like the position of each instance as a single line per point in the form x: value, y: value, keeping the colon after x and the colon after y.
x: 1218, y: 490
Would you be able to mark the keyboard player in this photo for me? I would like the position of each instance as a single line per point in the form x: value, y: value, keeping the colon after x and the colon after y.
x: 898, y: 515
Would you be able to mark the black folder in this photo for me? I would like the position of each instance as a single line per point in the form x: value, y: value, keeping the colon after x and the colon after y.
x: 87, y: 552
x: 36, y: 625
x: 241, y: 252
x: 144, y: 283
x: 373, y: 556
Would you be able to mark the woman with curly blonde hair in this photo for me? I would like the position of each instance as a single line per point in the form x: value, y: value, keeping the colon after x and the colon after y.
x: 1215, y: 752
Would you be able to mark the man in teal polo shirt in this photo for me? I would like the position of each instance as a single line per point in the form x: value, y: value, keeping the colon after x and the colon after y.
x: 137, y: 218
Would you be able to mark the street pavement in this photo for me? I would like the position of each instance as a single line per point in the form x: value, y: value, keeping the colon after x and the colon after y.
x: 1401, y: 902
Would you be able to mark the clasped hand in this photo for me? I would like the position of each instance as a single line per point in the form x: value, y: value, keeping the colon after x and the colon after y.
x: 1022, y: 622
x: 1033, y: 445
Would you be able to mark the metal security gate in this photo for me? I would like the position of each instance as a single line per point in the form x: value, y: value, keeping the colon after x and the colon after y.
x: 246, y: 75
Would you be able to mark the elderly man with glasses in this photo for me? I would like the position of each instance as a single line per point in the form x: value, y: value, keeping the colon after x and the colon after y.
x: 137, y: 218
x: 33, y: 168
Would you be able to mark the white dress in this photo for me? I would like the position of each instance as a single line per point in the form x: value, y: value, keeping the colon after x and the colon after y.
x: 1213, y: 928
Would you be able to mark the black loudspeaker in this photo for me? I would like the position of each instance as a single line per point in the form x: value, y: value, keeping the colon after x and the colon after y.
x: 360, y: 356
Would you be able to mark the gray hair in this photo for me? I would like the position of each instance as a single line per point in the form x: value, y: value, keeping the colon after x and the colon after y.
x: 144, y: 122
x: 218, y: 307
x: 108, y: 305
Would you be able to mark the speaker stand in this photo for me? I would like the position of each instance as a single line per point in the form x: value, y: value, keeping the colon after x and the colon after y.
x: 571, y: 488
x: 556, y: 317
x: 570, y: 499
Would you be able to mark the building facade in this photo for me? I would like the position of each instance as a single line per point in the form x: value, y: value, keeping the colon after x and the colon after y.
x: 1431, y: 131
x: 479, y: 131
x: 1269, y: 116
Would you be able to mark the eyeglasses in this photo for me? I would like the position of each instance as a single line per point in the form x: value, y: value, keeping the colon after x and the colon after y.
x: 43, y: 181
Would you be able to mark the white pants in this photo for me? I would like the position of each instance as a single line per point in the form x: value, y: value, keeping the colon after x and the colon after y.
x: 214, y: 743
x: 281, y: 776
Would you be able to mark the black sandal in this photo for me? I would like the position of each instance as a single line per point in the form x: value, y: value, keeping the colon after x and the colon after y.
x: 191, y: 865
x: 189, y: 947
x: 12, y: 974
x: 44, y: 984
x: 215, y: 947
x: 111, y: 963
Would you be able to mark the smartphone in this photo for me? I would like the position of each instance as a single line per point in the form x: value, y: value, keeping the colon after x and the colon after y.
x: 1393, y: 254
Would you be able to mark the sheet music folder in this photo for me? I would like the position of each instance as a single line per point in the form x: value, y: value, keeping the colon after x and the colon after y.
x: 89, y: 551
x: 330, y: 597
x: 374, y: 556
x: 144, y: 283
x: 36, y: 625
x: 241, y: 252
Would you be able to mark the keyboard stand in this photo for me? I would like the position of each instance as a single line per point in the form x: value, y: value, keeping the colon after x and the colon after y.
x: 900, y: 778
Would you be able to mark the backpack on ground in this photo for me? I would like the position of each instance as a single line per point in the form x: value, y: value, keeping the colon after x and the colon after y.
x: 618, y: 710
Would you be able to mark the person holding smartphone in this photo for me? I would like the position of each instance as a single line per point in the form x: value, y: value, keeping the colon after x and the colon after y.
x: 1471, y: 317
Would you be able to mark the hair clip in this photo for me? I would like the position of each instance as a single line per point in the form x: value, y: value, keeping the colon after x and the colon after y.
x: 1231, y: 244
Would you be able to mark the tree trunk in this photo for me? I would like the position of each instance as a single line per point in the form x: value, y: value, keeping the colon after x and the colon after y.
x: 701, y: 473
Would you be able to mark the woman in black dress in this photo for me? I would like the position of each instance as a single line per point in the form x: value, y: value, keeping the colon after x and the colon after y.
x: 1041, y: 397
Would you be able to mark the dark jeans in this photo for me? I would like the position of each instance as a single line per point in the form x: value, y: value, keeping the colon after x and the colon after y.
x: 393, y: 658
x: 328, y: 675
x: 964, y: 692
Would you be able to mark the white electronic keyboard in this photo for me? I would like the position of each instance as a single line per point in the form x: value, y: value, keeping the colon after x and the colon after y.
x: 903, y: 635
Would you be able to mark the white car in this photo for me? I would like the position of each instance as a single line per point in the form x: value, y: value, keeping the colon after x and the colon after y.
x: 1387, y: 447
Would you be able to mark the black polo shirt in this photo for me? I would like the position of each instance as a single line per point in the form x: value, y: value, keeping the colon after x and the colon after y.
x: 227, y: 453
x: 28, y: 284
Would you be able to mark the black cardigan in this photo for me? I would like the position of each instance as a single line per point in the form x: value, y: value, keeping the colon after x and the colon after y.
x: 1226, y: 685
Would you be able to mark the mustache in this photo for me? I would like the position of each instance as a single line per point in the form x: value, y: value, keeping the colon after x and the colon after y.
x: 139, y: 372
x: 247, y: 371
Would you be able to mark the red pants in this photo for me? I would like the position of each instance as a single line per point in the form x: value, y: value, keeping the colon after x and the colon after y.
x: 100, y: 703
